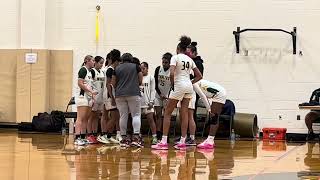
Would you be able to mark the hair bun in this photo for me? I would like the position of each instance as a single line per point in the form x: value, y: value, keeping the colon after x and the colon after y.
x: 194, y: 44
x: 185, y: 40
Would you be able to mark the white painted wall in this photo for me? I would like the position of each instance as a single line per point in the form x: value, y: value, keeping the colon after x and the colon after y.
x: 9, y: 36
x: 270, y: 81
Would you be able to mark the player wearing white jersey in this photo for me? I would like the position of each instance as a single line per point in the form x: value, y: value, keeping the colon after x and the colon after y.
x: 147, y: 101
x: 109, y: 101
x: 105, y: 113
x: 163, y: 87
x: 98, y: 83
x: 180, y: 68
x: 84, y: 99
x: 211, y: 91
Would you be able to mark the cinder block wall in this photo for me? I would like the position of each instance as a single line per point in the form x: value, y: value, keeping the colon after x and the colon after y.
x: 270, y: 81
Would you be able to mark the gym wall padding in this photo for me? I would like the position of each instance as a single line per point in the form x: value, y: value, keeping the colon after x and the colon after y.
x: 28, y: 89
x: 23, y: 88
x: 40, y: 83
x: 8, y: 64
x: 61, y: 74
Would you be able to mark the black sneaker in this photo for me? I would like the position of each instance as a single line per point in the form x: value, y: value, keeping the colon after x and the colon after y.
x: 311, y: 136
x: 125, y: 142
x: 176, y: 141
x: 137, y: 141
x: 191, y: 142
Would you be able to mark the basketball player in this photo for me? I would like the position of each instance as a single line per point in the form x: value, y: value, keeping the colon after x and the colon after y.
x: 163, y: 86
x: 180, y: 69
x: 105, y: 113
x: 98, y: 83
x: 84, y: 100
x: 217, y: 94
x: 147, y: 101
x: 110, y: 104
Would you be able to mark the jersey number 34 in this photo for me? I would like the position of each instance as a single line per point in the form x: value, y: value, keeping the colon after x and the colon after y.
x: 185, y: 65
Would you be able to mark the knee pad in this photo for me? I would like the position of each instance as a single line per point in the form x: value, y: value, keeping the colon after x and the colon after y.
x: 214, y: 120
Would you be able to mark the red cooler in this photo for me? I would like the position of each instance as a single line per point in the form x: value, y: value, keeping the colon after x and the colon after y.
x: 274, y: 133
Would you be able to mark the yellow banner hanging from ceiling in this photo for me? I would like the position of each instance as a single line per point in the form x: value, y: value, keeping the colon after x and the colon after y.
x: 97, y: 24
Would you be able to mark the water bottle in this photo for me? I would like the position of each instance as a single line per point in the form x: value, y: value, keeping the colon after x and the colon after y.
x: 63, y: 131
x: 232, y: 138
x: 233, y: 135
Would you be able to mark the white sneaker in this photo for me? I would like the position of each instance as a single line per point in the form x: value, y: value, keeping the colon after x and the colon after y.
x: 102, y: 150
x: 98, y: 138
x: 119, y: 138
x: 86, y: 141
x: 79, y: 142
x: 104, y: 139
x: 112, y: 140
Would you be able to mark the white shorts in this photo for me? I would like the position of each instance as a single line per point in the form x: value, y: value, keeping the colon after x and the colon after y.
x: 83, y: 101
x: 97, y: 107
x: 108, y: 104
x: 159, y: 102
x: 192, y: 102
x: 220, y: 97
x: 179, y: 95
x: 147, y: 111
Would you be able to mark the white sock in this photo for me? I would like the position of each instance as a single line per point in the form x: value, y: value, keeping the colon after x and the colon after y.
x: 192, y: 137
x: 210, y: 139
x: 136, y: 124
x: 164, y: 139
x: 182, y: 140
x: 118, y: 133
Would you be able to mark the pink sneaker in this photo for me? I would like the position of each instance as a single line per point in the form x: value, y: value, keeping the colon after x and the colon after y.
x: 207, y: 153
x: 206, y: 145
x: 180, y: 146
x: 160, y: 154
x: 160, y: 146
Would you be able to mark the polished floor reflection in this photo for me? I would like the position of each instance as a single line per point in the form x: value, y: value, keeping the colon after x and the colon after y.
x: 47, y: 156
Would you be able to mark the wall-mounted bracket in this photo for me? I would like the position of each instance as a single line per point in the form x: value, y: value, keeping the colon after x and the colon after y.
x: 292, y: 33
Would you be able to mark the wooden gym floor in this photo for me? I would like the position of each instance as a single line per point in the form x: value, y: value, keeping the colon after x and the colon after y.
x: 52, y: 156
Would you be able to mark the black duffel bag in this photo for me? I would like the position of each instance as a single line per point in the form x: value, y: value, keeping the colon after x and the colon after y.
x: 45, y: 122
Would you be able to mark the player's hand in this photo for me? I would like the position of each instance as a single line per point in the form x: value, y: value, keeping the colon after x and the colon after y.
x: 91, y: 103
x: 94, y: 93
x: 163, y: 97
x: 150, y: 105
x: 113, y: 102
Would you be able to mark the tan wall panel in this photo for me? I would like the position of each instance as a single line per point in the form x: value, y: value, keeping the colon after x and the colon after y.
x: 40, y: 83
x: 23, y: 75
x: 61, y: 70
x: 29, y: 89
x: 8, y: 66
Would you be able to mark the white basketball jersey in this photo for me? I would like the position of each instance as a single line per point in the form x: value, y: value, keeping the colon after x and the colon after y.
x: 184, y: 66
x: 148, y: 91
x: 88, y: 81
x: 98, y: 84
x: 105, y: 93
x: 210, y: 89
x: 164, y: 84
x: 104, y: 70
